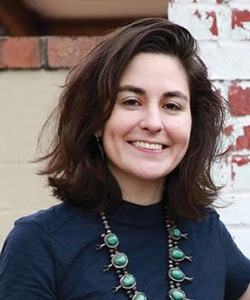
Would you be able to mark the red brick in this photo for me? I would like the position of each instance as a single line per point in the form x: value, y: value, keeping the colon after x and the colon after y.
x: 243, y: 142
x: 239, y: 17
x: 197, y: 14
x: 228, y: 130
x: 21, y: 52
x: 64, y: 52
x: 2, y: 63
x: 208, y: 15
x: 240, y: 160
x: 239, y: 100
x: 214, y: 27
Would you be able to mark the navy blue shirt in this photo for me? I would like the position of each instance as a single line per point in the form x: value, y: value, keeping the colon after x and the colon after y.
x: 51, y: 255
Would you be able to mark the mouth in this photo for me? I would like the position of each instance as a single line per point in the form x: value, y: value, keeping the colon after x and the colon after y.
x: 149, y: 145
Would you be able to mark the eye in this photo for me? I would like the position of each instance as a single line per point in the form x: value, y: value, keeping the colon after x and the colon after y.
x: 172, y: 106
x: 131, y: 102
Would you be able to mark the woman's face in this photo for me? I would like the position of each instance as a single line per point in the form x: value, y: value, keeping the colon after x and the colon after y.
x: 148, y: 132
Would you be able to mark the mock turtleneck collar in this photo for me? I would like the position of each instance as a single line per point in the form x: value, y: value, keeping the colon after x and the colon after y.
x: 131, y: 214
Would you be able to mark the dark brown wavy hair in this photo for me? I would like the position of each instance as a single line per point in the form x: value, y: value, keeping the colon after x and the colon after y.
x: 74, y: 164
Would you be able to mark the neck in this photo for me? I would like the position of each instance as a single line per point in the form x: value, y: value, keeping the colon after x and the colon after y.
x: 142, y: 192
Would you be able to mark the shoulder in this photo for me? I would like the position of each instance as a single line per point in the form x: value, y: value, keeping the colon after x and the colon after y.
x: 214, y: 246
x: 56, y: 218
x: 53, y: 228
x: 206, y: 231
x: 51, y: 231
x: 210, y: 222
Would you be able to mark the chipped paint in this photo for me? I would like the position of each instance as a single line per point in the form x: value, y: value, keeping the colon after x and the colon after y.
x: 227, y: 58
x: 239, y: 99
x: 240, y: 160
x: 228, y: 130
x: 214, y: 27
x: 197, y: 14
x: 243, y: 142
x: 239, y: 17
x: 232, y: 173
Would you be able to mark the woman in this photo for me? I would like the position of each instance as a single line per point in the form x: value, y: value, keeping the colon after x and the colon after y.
x: 138, y: 130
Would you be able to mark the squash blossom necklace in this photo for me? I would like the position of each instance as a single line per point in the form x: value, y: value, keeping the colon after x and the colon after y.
x: 119, y: 261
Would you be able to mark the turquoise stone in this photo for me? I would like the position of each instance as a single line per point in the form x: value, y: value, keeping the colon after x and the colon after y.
x: 139, y: 296
x: 111, y: 240
x: 176, y: 274
x: 128, y: 281
x: 176, y: 233
x: 177, y: 294
x: 176, y: 254
x: 120, y: 260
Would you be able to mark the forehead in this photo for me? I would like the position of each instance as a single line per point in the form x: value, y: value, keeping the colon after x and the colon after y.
x: 153, y: 71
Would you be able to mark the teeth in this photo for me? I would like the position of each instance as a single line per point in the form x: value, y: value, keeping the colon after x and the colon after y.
x: 150, y: 146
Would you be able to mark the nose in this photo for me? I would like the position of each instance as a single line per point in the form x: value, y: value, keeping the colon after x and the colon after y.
x: 152, y: 120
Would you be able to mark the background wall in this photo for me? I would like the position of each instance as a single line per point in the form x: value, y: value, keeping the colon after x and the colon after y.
x: 32, y: 70
x: 222, y: 28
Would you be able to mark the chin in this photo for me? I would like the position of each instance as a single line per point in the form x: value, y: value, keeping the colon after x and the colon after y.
x: 152, y: 173
x: 149, y: 177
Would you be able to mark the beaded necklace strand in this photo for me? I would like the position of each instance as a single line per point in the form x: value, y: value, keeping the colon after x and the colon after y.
x: 119, y: 262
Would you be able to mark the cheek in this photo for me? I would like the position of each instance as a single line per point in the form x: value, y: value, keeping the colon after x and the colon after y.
x: 181, y: 132
x: 112, y: 132
x: 120, y: 124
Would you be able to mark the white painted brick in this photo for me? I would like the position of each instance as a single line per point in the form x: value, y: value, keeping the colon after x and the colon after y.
x: 238, y: 124
x: 222, y: 87
x: 183, y: 13
x: 241, y: 4
x: 225, y: 2
x: 242, y: 31
x: 235, y: 208
x: 241, y: 236
x: 241, y: 180
x: 236, y: 218
x: 238, y: 2
x: 234, y: 177
x: 226, y: 60
x: 192, y: 1
x: 224, y: 22
x: 222, y: 174
x: 194, y: 18
x: 244, y: 84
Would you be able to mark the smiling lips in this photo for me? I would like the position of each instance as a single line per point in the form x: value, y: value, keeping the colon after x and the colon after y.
x: 147, y: 145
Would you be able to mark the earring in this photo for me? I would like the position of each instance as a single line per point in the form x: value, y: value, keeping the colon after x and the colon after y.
x: 100, y: 146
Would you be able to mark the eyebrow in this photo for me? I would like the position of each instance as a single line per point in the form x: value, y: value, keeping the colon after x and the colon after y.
x: 133, y: 89
x: 142, y: 92
x: 175, y: 94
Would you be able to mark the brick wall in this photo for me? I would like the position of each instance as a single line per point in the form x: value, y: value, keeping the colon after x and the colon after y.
x: 43, y: 52
x: 223, y: 30
x: 32, y: 69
